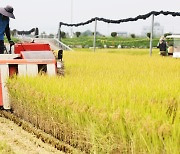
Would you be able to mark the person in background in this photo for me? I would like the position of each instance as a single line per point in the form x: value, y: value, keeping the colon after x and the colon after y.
x: 60, y: 55
x: 5, y: 14
x: 162, y: 45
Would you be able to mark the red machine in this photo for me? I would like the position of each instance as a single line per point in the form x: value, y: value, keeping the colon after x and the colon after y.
x: 21, y: 47
x: 27, y: 59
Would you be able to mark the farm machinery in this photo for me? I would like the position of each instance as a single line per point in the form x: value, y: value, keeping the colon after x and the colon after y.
x: 174, y: 45
x: 27, y: 59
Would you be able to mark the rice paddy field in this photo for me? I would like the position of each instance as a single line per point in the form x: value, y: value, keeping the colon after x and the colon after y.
x: 109, y: 101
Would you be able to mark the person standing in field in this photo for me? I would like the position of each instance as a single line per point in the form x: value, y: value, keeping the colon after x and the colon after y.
x: 5, y: 14
x: 60, y: 55
x: 162, y: 45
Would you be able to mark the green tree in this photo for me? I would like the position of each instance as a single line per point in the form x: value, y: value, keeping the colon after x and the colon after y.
x: 113, y: 34
x: 133, y: 35
x: 63, y: 34
x: 78, y: 34
x: 148, y: 35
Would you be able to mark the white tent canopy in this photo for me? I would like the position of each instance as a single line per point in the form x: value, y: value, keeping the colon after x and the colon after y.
x: 173, y: 36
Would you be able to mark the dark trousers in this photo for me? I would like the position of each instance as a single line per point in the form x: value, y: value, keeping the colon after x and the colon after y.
x: 1, y: 46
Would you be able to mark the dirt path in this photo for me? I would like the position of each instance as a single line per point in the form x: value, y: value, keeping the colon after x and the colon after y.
x: 22, y: 142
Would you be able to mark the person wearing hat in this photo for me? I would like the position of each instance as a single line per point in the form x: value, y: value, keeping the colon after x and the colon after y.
x: 5, y: 14
x: 162, y: 45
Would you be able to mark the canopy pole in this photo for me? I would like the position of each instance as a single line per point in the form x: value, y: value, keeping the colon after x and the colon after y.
x: 151, y: 37
x: 71, y: 18
x: 59, y: 32
x: 94, y: 42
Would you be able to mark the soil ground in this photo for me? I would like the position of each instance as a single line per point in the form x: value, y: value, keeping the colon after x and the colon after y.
x: 22, y: 142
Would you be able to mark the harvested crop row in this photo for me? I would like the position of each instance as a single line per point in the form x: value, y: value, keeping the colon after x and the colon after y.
x: 46, y: 138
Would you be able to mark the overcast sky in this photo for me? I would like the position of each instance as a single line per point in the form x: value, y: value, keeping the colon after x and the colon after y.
x: 46, y: 14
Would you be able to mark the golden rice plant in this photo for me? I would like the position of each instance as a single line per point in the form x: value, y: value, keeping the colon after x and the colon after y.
x: 109, y: 101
